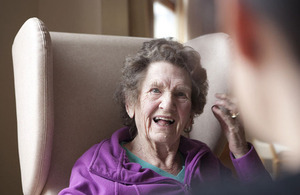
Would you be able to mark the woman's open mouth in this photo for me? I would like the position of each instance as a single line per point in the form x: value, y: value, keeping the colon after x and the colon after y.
x: 163, y: 121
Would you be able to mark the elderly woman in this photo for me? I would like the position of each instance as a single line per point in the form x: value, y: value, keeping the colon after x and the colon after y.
x: 162, y: 89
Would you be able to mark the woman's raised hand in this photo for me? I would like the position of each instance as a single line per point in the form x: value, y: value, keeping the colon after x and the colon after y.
x: 226, y: 111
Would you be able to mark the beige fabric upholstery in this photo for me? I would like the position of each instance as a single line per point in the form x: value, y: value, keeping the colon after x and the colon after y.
x: 32, y: 59
x: 64, y: 85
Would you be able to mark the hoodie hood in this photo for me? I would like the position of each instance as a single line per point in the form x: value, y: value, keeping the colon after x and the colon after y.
x: 110, y: 161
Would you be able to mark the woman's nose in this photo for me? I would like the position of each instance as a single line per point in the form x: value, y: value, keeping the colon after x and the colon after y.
x: 167, y: 103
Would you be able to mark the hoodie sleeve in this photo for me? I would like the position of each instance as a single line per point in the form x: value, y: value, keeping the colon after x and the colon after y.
x: 249, y: 168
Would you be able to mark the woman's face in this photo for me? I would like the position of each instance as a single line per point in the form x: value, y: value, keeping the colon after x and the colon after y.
x: 163, y: 109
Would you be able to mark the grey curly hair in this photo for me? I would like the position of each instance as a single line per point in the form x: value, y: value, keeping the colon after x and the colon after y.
x: 135, y: 68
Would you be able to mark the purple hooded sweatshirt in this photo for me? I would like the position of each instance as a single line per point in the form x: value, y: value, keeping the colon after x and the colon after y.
x: 105, y: 169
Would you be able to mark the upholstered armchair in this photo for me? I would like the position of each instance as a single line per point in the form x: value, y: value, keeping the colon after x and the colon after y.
x: 64, y: 84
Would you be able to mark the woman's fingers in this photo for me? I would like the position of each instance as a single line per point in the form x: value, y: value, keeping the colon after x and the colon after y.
x: 224, y: 110
x: 220, y: 116
x: 226, y: 122
x: 227, y: 104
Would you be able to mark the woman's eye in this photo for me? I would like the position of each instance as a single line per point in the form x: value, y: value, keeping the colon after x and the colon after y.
x: 181, y: 95
x: 155, y: 91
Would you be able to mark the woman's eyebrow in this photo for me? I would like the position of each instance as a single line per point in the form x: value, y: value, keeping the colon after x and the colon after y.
x: 156, y: 84
x: 177, y: 88
x: 183, y: 88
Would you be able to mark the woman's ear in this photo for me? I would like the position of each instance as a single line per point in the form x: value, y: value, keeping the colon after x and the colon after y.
x: 191, y: 122
x: 129, y: 109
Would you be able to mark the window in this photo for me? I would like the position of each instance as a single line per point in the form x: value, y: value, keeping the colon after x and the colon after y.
x: 165, y: 24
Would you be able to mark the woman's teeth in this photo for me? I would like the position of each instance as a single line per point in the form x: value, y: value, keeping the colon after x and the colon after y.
x: 163, y: 120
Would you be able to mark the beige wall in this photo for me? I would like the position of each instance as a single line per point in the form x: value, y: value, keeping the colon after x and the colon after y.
x: 94, y: 17
x: 115, y: 19
x: 71, y: 15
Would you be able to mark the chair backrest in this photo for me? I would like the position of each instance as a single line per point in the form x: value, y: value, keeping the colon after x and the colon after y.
x: 64, y: 83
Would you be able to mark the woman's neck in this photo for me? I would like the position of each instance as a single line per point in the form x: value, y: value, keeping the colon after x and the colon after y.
x: 164, y: 156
